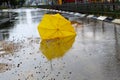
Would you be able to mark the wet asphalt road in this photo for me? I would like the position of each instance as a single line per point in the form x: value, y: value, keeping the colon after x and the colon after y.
x: 94, y: 55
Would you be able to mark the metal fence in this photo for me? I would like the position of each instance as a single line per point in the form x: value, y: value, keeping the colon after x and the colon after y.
x: 108, y: 9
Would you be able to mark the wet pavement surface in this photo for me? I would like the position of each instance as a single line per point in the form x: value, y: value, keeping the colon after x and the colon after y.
x: 94, y: 54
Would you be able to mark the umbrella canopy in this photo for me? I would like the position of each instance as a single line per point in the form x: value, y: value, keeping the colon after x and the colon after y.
x: 56, y: 48
x: 55, y: 26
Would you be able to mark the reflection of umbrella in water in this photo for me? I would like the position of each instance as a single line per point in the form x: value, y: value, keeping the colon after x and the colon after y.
x: 56, y: 48
x: 55, y: 26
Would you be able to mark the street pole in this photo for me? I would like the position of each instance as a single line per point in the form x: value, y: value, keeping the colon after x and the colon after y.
x: 75, y: 1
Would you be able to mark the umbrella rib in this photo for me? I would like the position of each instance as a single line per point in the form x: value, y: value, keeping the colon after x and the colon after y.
x: 58, y: 22
x: 61, y: 32
x: 65, y: 24
x: 59, y: 19
x: 47, y: 28
x: 53, y: 33
x: 51, y: 22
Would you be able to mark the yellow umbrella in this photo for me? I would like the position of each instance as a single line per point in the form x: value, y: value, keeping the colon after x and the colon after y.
x: 55, y: 26
x: 56, y: 48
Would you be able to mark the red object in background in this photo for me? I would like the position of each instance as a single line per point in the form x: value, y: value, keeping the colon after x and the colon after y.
x: 89, y: 1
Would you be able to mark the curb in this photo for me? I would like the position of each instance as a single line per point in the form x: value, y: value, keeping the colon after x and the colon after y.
x: 79, y: 15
